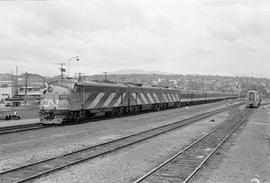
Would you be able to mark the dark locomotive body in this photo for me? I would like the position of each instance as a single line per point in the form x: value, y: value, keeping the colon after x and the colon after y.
x: 67, y: 101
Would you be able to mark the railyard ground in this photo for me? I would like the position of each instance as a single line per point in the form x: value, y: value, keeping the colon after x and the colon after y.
x: 244, y: 157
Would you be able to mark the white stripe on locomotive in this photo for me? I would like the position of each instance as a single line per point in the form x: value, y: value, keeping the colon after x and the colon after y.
x: 143, y: 98
x: 136, y: 101
x: 176, y: 95
x: 109, y: 99
x: 118, y: 102
x: 156, y: 97
x: 150, y: 98
x: 174, y: 99
x: 165, y: 97
x: 96, y: 100
x: 169, y: 97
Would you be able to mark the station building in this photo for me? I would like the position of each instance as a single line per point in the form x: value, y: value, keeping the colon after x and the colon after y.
x: 10, y: 96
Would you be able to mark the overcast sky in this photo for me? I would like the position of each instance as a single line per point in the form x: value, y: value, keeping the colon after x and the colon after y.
x: 223, y: 37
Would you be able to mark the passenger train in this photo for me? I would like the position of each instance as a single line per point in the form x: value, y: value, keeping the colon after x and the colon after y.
x: 253, y: 99
x: 66, y: 100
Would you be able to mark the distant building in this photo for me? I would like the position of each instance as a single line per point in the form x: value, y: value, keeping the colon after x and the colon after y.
x: 10, y: 97
x: 6, y: 90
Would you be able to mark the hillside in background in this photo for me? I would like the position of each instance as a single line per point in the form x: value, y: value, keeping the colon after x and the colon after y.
x: 159, y: 79
x: 34, y: 80
x: 137, y: 71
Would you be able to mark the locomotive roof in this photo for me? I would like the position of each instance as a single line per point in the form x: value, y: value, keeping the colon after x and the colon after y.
x: 99, y: 84
x: 91, y: 83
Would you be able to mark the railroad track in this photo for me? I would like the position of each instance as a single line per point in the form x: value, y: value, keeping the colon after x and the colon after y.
x: 26, y: 127
x: 37, y: 169
x: 183, y: 166
x: 20, y: 128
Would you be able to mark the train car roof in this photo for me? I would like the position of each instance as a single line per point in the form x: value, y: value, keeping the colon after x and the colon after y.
x: 117, y: 85
x: 252, y: 91
x: 91, y: 83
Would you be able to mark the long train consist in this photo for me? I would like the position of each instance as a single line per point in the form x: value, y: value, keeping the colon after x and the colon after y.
x: 66, y: 100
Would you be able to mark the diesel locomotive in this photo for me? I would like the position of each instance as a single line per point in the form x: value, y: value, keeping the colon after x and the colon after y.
x: 66, y: 100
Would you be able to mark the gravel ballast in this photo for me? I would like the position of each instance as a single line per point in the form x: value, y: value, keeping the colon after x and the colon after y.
x: 245, y: 157
x: 17, y: 149
x: 129, y: 164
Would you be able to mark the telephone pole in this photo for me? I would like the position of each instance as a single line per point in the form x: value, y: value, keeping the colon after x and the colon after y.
x: 62, y: 69
x: 25, y: 89
x: 16, y: 82
x: 105, y: 76
x: 80, y: 76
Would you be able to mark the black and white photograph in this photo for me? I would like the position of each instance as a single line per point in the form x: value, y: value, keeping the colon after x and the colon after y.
x: 134, y: 91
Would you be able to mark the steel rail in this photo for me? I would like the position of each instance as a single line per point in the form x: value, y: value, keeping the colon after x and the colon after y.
x: 127, y: 141
x: 20, y: 128
x: 214, y: 150
x: 28, y: 127
x: 141, y: 179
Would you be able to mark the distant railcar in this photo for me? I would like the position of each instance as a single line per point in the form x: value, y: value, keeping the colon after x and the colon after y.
x: 67, y: 101
x: 253, y: 99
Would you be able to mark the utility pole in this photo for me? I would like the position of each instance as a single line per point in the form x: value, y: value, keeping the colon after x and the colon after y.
x: 43, y: 81
x: 16, y: 82
x: 12, y: 84
x: 80, y: 76
x: 105, y: 76
x: 25, y: 89
x: 62, y: 69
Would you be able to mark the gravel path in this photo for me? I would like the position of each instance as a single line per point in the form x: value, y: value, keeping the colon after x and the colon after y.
x: 245, y: 157
x: 129, y: 164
